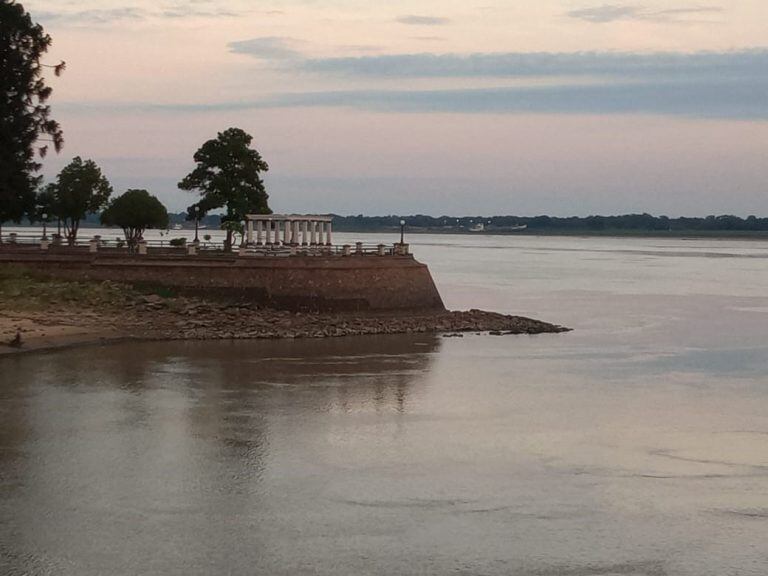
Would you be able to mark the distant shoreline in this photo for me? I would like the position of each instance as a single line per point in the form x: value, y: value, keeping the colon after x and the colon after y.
x: 683, y: 234
x: 672, y: 234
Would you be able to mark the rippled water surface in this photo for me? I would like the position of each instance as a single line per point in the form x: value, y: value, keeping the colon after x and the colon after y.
x: 635, y: 445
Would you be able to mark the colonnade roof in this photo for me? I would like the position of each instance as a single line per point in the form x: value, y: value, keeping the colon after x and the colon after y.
x: 292, y: 217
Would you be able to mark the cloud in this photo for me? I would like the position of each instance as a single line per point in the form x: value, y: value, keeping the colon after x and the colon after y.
x: 607, y: 13
x: 744, y: 98
x: 699, y: 84
x: 111, y: 15
x: 105, y: 16
x: 182, y: 11
x: 614, y: 12
x: 414, y: 20
x: 546, y: 64
x: 266, y: 48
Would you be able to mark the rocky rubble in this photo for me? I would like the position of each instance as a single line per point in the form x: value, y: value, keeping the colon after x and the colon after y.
x: 183, y: 318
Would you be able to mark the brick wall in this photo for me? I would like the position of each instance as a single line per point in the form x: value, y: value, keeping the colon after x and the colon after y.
x: 357, y: 282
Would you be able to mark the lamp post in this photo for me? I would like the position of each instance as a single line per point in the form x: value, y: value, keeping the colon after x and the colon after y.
x: 402, y: 231
x: 45, y: 225
x: 197, y: 223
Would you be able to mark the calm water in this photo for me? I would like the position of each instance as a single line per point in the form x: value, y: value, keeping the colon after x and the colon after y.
x: 636, y: 445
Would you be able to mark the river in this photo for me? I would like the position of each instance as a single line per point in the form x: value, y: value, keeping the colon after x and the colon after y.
x: 636, y: 445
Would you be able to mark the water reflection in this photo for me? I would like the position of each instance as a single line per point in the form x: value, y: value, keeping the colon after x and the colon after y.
x: 149, y: 445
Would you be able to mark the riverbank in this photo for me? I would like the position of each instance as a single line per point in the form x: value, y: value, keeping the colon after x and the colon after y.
x: 49, y: 314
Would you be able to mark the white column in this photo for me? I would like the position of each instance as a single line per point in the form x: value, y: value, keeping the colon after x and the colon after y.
x: 304, y: 232
x: 276, y: 235
x: 328, y: 239
x: 320, y: 227
x: 312, y: 235
x: 249, y: 225
x: 270, y: 232
x: 287, y: 232
x: 295, y: 232
x: 259, y: 232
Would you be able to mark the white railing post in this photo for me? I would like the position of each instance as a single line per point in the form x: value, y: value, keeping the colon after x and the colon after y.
x: 142, y: 247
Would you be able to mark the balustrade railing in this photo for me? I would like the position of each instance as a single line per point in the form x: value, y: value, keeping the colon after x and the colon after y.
x: 159, y: 247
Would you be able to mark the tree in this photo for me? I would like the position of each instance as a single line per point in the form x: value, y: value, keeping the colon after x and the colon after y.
x: 227, y: 176
x: 80, y: 189
x: 24, y: 114
x: 134, y: 212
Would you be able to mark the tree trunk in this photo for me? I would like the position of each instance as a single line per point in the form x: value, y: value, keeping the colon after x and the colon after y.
x: 228, y: 241
x: 73, y: 227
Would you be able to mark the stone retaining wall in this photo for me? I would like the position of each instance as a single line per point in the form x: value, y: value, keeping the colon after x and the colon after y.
x: 356, y: 282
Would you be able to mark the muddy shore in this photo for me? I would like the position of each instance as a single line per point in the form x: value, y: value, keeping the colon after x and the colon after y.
x: 49, y: 315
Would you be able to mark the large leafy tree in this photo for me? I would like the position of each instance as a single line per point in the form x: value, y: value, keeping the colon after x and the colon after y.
x: 26, y: 127
x: 134, y: 212
x: 228, y: 175
x: 80, y: 189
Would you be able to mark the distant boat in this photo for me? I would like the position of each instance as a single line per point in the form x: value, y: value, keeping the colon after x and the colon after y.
x: 480, y: 227
x: 178, y: 227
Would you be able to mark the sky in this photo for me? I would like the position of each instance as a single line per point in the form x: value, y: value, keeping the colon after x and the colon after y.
x: 561, y: 107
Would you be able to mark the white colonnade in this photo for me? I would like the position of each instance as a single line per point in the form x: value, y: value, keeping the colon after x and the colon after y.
x: 288, y: 230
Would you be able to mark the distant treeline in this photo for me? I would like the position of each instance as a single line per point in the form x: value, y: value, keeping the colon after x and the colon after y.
x: 574, y: 224
x: 628, y: 223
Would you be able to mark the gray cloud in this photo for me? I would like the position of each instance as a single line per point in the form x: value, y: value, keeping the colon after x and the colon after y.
x: 703, y: 84
x: 744, y: 98
x: 415, y: 20
x: 191, y: 12
x: 511, y: 65
x: 266, y: 48
x: 108, y: 16
x: 92, y: 16
x: 614, y: 12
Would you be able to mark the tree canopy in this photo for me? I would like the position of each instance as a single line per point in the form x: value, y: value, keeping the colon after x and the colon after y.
x: 80, y: 189
x: 134, y: 212
x: 227, y: 176
x: 24, y: 113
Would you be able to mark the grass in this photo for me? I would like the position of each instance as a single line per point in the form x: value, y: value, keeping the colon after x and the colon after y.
x: 27, y: 290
